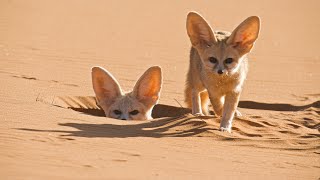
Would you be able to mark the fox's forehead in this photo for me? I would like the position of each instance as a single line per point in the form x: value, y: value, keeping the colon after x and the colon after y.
x: 221, y: 50
x: 127, y: 103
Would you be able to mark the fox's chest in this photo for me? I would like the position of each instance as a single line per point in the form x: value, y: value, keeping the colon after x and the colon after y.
x: 224, y: 84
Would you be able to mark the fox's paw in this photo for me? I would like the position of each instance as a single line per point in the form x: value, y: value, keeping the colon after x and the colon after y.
x: 223, y: 129
x: 237, y: 113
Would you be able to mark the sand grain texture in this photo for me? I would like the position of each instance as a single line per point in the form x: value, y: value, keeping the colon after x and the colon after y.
x: 51, y: 127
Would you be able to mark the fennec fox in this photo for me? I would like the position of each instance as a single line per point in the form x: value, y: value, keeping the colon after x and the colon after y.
x: 135, y: 105
x: 218, y: 66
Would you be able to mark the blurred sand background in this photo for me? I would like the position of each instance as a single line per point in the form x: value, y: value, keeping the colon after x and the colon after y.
x: 51, y: 128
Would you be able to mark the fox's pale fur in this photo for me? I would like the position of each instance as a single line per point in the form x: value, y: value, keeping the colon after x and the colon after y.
x: 135, y: 105
x: 218, y: 67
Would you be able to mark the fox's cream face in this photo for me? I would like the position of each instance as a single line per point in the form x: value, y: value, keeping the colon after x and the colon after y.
x: 136, y: 105
x: 222, y: 52
x: 127, y: 107
x: 220, y: 59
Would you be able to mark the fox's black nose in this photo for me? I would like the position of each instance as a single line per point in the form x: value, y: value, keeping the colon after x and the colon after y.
x: 123, y: 119
x: 220, y: 71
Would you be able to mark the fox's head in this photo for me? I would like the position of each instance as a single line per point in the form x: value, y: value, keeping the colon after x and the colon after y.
x: 222, y: 52
x: 135, y: 105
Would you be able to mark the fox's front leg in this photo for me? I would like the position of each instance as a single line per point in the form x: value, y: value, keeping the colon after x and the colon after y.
x: 196, y: 103
x: 229, y: 109
x: 217, y: 103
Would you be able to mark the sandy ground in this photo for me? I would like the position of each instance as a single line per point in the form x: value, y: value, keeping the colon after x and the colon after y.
x: 51, y: 128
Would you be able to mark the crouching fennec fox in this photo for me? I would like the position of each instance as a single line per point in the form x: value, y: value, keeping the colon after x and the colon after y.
x: 218, y: 66
x: 135, y: 105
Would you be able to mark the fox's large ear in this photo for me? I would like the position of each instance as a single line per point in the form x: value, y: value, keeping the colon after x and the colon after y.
x: 147, y: 89
x: 105, y: 86
x: 244, y: 36
x: 199, y: 31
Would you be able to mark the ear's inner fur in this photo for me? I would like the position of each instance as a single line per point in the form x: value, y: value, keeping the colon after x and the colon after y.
x: 244, y: 36
x: 147, y: 89
x: 105, y: 86
x: 199, y: 31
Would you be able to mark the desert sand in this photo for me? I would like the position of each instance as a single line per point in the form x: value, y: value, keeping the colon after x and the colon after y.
x: 51, y: 127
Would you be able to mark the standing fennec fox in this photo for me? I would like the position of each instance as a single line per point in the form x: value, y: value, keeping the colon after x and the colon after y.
x: 218, y: 67
x: 135, y: 105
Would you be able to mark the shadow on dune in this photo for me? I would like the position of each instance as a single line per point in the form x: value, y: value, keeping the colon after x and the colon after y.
x: 87, y: 105
x: 276, y: 106
x: 166, y: 127
x: 159, y: 111
x: 92, y: 112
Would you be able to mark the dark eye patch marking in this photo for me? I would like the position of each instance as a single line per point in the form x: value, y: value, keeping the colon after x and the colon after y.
x: 213, y: 60
x: 117, y: 112
x: 134, y: 112
x: 228, y: 61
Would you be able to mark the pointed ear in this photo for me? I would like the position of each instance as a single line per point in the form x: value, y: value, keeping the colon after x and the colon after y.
x: 199, y: 31
x: 244, y: 36
x: 147, y: 88
x: 105, y: 86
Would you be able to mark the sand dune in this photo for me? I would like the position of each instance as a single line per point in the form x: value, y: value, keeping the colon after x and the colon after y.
x: 281, y: 130
x: 51, y: 127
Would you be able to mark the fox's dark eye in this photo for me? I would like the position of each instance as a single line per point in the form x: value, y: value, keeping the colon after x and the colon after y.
x: 134, y: 112
x: 228, y: 61
x: 213, y: 60
x: 117, y: 112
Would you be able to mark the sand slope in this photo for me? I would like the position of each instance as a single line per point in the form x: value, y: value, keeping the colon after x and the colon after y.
x: 51, y: 127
